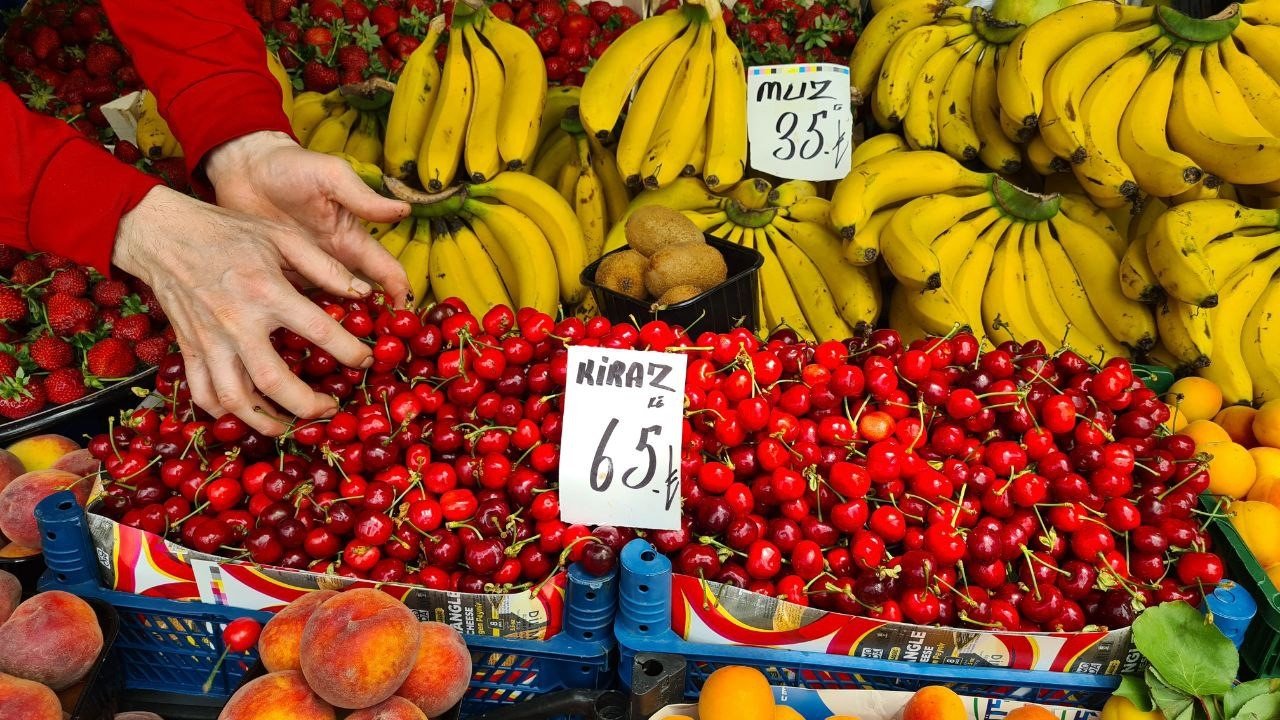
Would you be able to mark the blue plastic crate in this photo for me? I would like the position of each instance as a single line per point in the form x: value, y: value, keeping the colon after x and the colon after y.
x: 643, y: 625
x: 168, y: 646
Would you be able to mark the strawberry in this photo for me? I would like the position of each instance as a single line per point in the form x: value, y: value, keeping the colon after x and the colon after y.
x: 132, y: 327
x: 386, y: 19
x: 44, y: 42
x: 23, y: 59
x: 355, y: 11
x: 577, y: 25
x: 574, y: 50
x: 353, y: 59
x: 320, y: 38
x: 502, y: 11
x: 430, y: 7
x: 102, y: 60
x: 50, y: 352
x: 147, y: 303
x: 110, y: 293
x: 548, y: 41
x: 13, y: 307
x: 600, y: 11
x: 318, y: 77
x: 173, y: 171
x: 27, y: 272
x: 127, y: 152
x: 325, y: 11
x: 290, y: 35
x: 9, y: 256
x: 21, y: 396
x: 69, y: 315
x: 88, y: 22
x: 111, y: 358
x: 72, y: 281
x: 549, y: 12
x: 350, y: 77
x: 268, y: 10
x: 152, y: 351
x: 8, y: 365
x: 64, y: 386
x: 128, y: 78
x: 99, y: 91
x: 55, y: 262
x: 557, y: 68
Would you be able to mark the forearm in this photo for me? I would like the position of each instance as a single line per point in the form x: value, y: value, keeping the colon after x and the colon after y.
x: 59, y: 191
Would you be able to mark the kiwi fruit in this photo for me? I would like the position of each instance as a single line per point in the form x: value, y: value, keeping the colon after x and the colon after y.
x: 653, y: 227
x: 696, y: 264
x: 623, y: 272
x: 678, y: 294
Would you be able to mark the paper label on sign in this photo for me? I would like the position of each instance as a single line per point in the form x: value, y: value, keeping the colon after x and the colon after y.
x: 800, y: 120
x: 620, y: 447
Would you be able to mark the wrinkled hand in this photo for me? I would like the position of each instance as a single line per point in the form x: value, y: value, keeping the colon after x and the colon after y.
x: 220, y: 276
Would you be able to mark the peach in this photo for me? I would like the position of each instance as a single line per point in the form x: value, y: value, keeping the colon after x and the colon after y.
x: 18, y: 502
x: 10, y: 594
x: 78, y: 462
x: 27, y: 700
x: 442, y: 671
x: 53, y: 638
x: 14, y: 550
x: 393, y: 708
x: 40, y: 452
x: 276, y: 696
x: 10, y: 468
x: 281, y: 638
x: 358, y: 647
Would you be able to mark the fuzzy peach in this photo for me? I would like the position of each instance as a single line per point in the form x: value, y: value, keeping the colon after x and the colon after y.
x: 28, y: 700
x: 358, y: 647
x: 10, y: 595
x: 10, y: 468
x: 18, y: 502
x: 53, y: 639
x: 393, y: 708
x: 78, y: 462
x: 281, y: 639
x: 40, y: 452
x: 441, y: 672
x: 277, y: 696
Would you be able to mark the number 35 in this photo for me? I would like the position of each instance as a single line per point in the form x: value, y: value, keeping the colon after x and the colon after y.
x: 786, y: 126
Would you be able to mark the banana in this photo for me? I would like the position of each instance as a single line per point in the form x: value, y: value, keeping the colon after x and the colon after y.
x: 1257, y: 337
x: 693, y: 166
x: 971, y: 278
x: 906, y: 242
x: 882, y: 33
x: 481, y: 268
x: 788, y: 193
x: 558, y: 152
x: 901, y: 68
x: 1261, y: 91
x: 588, y: 203
x: 376, y: 229
x: 616, y: 72
x: 1084, y: 337
x: 1102, y: 171
x: 559, y: 99
x: 1229, y: 97
x: 1078, y: 208
x: 1143, y: 140
x: 526, y: 246
x: 1211, y: 139
x: 1061, y: 124
x: 997, y: 151
x: 1260, y: 12
x: 445, y: 135
x: 480, y: 148
x: 1042, y: 159
x: 1137, y: 278
x: 1005, y: 313
x: 286, y: 85
x: 450, y: 276
x: 1021, y: 80
x: 864, y: 248
x: 726, y: 134
x: 365, y: 142
x: 924, y: 110
x: 856, y: 291
x: 892, y: 178
x: 416, y: 259
x: 705, y: 221
x: 154, y: 137
x: 939, y: 311
x: 1098, y: 265
x: 956, y: 132
x: 1069, y: 289
x: 646, y: 108
x: 1239, y: 295
x: 501, y: 259
x: 1262, y: 43
x: 673, y: 141
x: 552, y: 215
x: 810, y: 209
x: 524, y: 91
x: 722, y: 230
x: 605, y: 166
x: 309, y: 109
x: 903, y: 318
x: 779, y: 303
x: 1229, y: 254
x: 875, y: 146
x: 395, y: 239
x: 811, y: 290
x: 752, y: 193
x: 411, y: 105
x: 567, y: 180
x: 331, y: 134
x: 1177, y: 240
x: 1184, y: 332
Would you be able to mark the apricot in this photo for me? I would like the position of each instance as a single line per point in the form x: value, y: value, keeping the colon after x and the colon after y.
x: 281, y: 638
x: 1232, y: 470
x: 736, y: 693
x: 78, y: 462
x: 1205, y: 431
x: 27, y: 700
x: 393, y: 708
x: 18, y: 502
x: 441, y: 672
x: 40, y: 452
x: 53, y: 638
x: 358, y: 647
x: 1196, y: 397
x: 1030, y: 712
x: 934, y: 702
x: 277, y: 696
x: 10, y: 468
x: 1266, y: 424
x: 10, y: 594
x: 1237, y: 421
x: 782, y: 712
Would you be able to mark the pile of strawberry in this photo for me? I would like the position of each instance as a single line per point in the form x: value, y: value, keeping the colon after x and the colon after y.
x: 570, y: 36
x: 66, y: 330
x: 784, y: 31
x: 62, y: 58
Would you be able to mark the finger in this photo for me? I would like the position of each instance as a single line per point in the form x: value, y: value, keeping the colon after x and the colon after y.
x: 272, y: 377
x: 348, y: 190
x: 323, y: 269
x: 199, y: 382
x: 358, y: 250
x: 236, y: 394
x: 308, y: 320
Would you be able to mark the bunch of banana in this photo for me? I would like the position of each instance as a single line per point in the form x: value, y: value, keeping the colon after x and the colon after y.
x: 487, y: 110
x: 348, y: 122
x: 1195, y: 248
x: 411, y: 105
x: 286, y: 85
x: 688, y: 112
x: 805, y: 282
x: 1013, y: 265
x: 154, y: 138
x: 1143, y: 100
x: 931, y: 67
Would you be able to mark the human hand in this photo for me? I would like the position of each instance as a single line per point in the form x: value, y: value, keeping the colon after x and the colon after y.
x: 220, y: 277
x: 267, y: 175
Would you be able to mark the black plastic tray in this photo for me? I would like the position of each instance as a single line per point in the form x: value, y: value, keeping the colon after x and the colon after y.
x: 28, y: 571
x: 86, y: 416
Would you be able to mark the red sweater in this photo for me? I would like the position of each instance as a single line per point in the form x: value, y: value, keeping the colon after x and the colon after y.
x: 205, y: 61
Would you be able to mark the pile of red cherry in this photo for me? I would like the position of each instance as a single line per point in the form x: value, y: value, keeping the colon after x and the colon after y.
x: 932, y: 483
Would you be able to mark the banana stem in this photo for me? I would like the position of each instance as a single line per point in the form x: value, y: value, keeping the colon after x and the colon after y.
x: 1199, y: 30
x: 1023, y: 204
x: 748, y: 218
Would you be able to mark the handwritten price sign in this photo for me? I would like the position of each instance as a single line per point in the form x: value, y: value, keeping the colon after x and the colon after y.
x: 620, y: 453
x: 800, y: 120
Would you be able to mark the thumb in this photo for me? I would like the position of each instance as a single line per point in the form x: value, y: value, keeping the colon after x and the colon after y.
x: 348, y: 190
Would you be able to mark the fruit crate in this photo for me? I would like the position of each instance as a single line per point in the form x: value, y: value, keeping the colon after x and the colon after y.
x: 1260, y: 650
x: 170, y: 647
x: 644, y: 626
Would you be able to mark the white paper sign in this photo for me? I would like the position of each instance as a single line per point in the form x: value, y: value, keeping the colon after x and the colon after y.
x: 800, y: 120
x: 620, y: 446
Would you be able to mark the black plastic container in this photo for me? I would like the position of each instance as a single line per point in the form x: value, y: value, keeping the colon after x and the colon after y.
x: 103, y: 684
x: 86, y: 416
x: 28, y: 571
x: 730, y: 304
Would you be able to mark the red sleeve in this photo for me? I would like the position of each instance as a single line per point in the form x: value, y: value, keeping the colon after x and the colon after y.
x: 59, y: 191
x: 206, y: 62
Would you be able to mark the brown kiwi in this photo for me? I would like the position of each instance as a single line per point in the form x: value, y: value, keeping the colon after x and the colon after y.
x: 623, y: 272
x: 678, y: 294
x: 696, y: 264
x: 653, y: 227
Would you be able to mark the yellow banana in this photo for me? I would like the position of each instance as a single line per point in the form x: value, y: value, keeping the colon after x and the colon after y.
x: 920, y: 124
x: 524, y: 92
x: 1184, y: 332
x: 526, y: 246
x: 559, y: 100
x: 1228, y: 96
x: 811, y: 290
x: 901, y: 68
x: 1262, y: 43
x: 906, y: 242
x: 331, y: 134
x: 308, y: 110
x: 605, y: 166
x: 956, y: 131
x: 411, y: 105
x: 997, y: 151
x: 856, y: 290
x: 480, y: 149
x: 154, y: 137
x: 416, y: 259
x: 286, y: 85
x: 810, y: 209
x: 1103, y: 172
x: 1239, y: 295
x: 567, y: 180
x: 779, y: 303
x: 1137, y: 279
x: 726, y: 136
x: 450, y: 276
x: 786, y: 194
x: 588, y: 203
x: 940, y: 311
x: 1005, y: 313
x: 646, y: 108
x: 705, y: 221
x: 903, y: 318
x: 1078, y: 208
x: 501, y: 259
x: 365, y: 142
x: 875, y: 146
x: 686, y: 108
x: 1072, y: 295
x: 1144, y: 145
x: 481, y: 268
x: 1098, y: 265
x: 558, y: 152
x: 882, y: 33
x: 397, y: 238
x: 1261, y: 333
x: 1177, y: 240
x: 1057, y: 322
x: 446, y: 131
x: 1261, y: 91
x: 1041, y: 158
x: 864, y: 248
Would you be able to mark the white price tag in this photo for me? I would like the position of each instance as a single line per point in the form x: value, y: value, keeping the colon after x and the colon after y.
x: 800, y: 120
x: 620, y: 453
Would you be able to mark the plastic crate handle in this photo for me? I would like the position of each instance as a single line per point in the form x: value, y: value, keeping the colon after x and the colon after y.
x: 68, y: 552
x: 645, y: 608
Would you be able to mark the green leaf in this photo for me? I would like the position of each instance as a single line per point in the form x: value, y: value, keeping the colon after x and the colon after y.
x: 1188, y: 652
x: 1174, y: 703
x: 1237, y: 696
x: 1132, y: 687
x: 1262, y: 707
